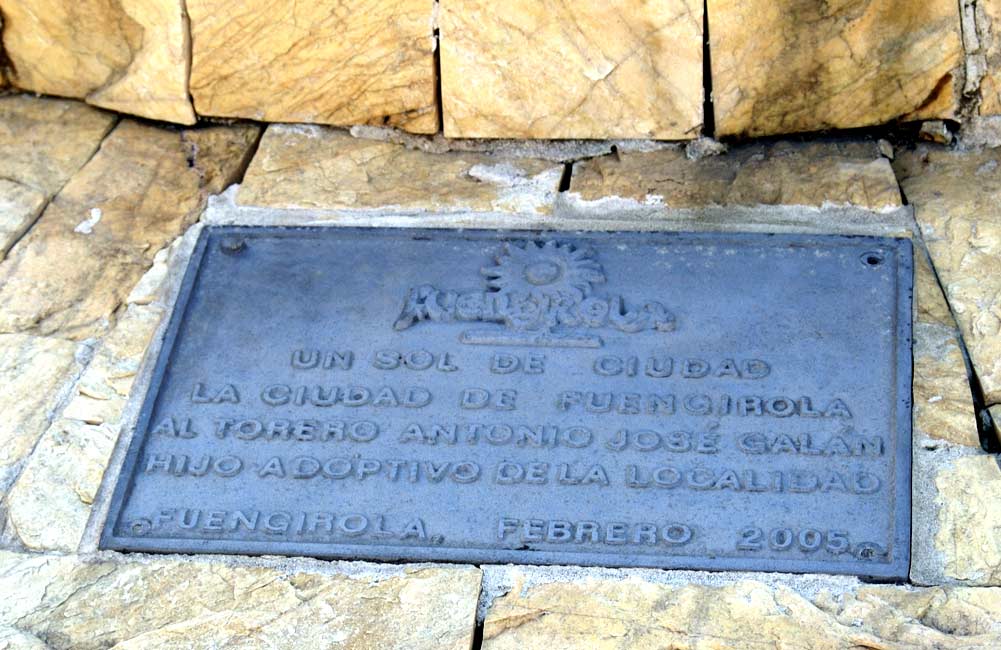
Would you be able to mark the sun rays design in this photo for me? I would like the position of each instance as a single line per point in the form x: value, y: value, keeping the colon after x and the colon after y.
x: 548, y: 272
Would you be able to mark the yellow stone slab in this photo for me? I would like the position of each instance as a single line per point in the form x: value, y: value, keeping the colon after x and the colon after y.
x: 48, y: 506
x: 630, y: 612
x: 783, y: 173
x: 943, y: 400
x: 322, y: 168
x: 784, y: 66
x: 990, y: 33
x: 34, y: 371
x: 145, y: 186
x: 349, y: 62
x: 19, y: 207
x: 957, y: 202
x: 44, y: 141
x: 127, y: 55
x: 171, y: 603
x: 554, y: 69
x: 969, y: 520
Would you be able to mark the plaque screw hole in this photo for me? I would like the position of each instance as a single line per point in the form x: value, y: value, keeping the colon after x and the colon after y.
x: 232, y: 245
x: 872, y: 259
x: 141, y: 527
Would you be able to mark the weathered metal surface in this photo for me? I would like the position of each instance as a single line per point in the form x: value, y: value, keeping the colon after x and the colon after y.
x: 664, y: 400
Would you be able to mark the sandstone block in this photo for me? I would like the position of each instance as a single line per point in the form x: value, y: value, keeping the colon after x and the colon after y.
x: 549, y: 69
x: 126, y: 55
x: 33, y: 372
x: 797, y: 65
x: 314, y: 167
x: 49, y: 505
x: 943, y: 400
x: 42, y: 143
x: 990, y: 35
x: 167, y: 603
x: 3, y: 73
x: 19, y: 208
x: 957, y: 203
x: 94, y: 241
x: 930, y: 303
x: 630, y: 612
x: 355, y: 62
x: 783, y: 173
x: 967, y: 538
x: 45, y: 141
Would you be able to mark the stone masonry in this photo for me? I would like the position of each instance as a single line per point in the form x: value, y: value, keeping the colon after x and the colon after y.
x: 541, y: 69
x: 104, y: 211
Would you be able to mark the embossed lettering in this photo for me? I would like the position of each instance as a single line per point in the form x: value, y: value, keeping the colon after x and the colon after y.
x: 170, y: 427
x: 479, y: 398
x: 227, y: 394
x: 351, y: 396
x: 614, y: 533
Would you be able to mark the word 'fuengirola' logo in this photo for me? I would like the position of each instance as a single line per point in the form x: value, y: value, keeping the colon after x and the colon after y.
x: 543, y: 293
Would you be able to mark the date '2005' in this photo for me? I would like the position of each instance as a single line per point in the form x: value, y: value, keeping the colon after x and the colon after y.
x: 808, y: 540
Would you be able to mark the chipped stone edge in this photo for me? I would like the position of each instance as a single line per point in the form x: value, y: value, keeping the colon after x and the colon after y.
x: 177, y: 264
x: 571, y: 213
x: 499, y: 580
x: 930, y: 457
x: 82, y: 357
x: 552, y: 150
x: 828, y: 219
x: 980, y: 132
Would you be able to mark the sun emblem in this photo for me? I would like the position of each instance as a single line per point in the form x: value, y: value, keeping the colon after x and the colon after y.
x: 548, y: 273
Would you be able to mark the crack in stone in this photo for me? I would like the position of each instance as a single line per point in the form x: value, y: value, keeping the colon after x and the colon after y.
x: 989, y: 440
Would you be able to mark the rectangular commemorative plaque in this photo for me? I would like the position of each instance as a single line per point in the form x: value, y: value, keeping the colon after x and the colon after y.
x: 724, y: 401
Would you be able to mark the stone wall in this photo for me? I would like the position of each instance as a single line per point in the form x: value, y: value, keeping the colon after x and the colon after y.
x: 521, y: 69
x: 106, y: 211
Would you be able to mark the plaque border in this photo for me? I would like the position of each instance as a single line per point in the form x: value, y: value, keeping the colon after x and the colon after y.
x: 897, y: 569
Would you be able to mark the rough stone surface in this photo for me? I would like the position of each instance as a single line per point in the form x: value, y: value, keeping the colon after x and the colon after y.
x: 980, y: 131
x: 316, y: 167
x: 50, y: 503
x: 990, y: 33
x: 99, y: 235
x: 930, y: 302
x: 630, y: 612
x: 165, y: 603
x: 554, y: 69
x: 45, y: 141
x: 42, y: 143
x: 944, y: 434
x: 12, y: 639
x: 19, y: 208
x: 798, y: 65
x: 782, y: 173
x: 943, y: 402
x: 957, y: 202
x: 33, y: 372
x: 126, y: 55
x: 355, y: 62
x: 968, y: 537
x: 3, y: 72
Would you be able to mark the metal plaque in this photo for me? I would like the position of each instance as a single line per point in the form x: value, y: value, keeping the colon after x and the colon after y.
x: 703, y: 401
